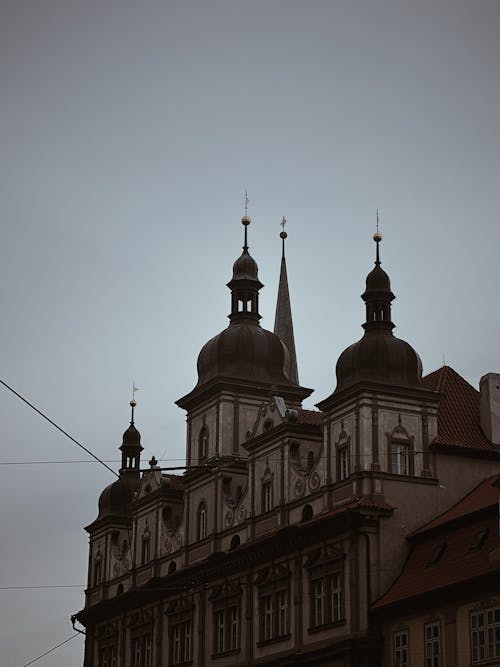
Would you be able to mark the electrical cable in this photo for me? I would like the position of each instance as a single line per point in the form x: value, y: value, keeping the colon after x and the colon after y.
x: 30, y: 588
x: 42, y: 655
x: 58, y: 427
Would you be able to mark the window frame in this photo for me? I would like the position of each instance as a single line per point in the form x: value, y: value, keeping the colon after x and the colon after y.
x: 488, y: 628
x: 202, y: 521
x: 432, y: 658
x: 398, y: 651
x: 274, y: 597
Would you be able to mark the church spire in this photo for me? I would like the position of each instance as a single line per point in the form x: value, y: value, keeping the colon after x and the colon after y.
x: 283, y: 324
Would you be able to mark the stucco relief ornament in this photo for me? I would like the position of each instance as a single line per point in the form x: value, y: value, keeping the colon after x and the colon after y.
x: 116, y: 570
x: 168, y: 545
x: 314, y: 481
x: 242, y: 513
x: 299, y: 488
x: 179, y: 540
x: 229, y: 519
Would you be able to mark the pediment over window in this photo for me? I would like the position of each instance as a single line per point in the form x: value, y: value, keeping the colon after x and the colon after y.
x: 180, y: 605
x: 226, y: 590
x: 107, y: 630
x: 325, y: 555
x: 143, y: 617
x: 269, y: 575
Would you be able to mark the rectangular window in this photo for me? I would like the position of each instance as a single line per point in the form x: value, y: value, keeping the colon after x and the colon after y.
x: 141, y: 650
x: 485, y: 634
x: 400, y: 458
x: 267, y: 497
x: 343, y: 463
x: 327, y: 602
x: 227, y: 628
x: 275, y: 617
x: 107, y: 656
x: 401, y: 652
x: 432, y: 645
x: 181, y: 643
x: 145, y: 550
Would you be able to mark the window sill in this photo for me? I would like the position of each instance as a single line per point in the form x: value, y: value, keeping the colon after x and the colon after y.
x: 326, y: 626
x: 273, y: 640
x: 224, y: 654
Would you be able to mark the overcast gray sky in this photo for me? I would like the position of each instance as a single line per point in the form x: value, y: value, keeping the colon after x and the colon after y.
x: 129, y: 131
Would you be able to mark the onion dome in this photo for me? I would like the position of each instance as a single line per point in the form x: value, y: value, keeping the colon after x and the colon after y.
x: 115, y: 499
x: 244, y: 350
x: 379, y: 356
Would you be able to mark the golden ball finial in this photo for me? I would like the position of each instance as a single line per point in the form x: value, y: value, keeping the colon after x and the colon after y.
x: 377, y: 237
x: 246, y: 220
x: 133, y: 403
x: 283, y: 235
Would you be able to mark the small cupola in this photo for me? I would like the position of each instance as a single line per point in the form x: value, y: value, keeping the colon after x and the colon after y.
x: 131, y: 446
x: 378, y: 357
x: 245, y: 284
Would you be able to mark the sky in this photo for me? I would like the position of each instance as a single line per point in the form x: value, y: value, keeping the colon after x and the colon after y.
x: 129, y: 132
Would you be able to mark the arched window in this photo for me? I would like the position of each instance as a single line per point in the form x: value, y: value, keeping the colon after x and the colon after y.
x: 145, y: 548
x: 172, y: 567
x: 119, y: 589
x: 235, y: 542
x: 307, y: 513
x: 203, y: 444
x: 202, y: 520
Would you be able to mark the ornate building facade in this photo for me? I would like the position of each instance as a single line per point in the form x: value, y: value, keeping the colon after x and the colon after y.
x: 288, y: 524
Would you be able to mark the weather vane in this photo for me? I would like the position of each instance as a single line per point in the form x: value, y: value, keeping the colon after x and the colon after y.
x: 247, y: 201
x: 377, y: 221
x: 134, y: 389
x: 283, y: 223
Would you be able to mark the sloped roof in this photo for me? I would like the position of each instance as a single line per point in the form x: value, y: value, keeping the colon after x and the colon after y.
x: 485, y: 495
x: 460, y: 561
x: 310, y: 417
x: 458, y: 413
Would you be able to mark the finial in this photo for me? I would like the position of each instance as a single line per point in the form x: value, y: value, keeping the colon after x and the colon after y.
x: 377, y: 237
x: 283, y: 236
x: 153, y: 462
x: 246, y: 220
x: 133, y: 402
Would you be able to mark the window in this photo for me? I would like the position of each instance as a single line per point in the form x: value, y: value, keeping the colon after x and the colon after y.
x: 401, y: 651
x: 267, y: 496
x: 107, y: 655
x: 97, y: 571
x: 274, y: 602
x: 181, y: 642
x: 203, y: 444
x: 400, y: 458
x: 485, y: 634
x: 307, y: 513
x: 202, y: 521
x: 227, y: 627
x: 141, y: 648
x: 145, y: 549
x: 275, y: 616
x: 432, y: 645
x: 327, y: 602
x: 343, y: 464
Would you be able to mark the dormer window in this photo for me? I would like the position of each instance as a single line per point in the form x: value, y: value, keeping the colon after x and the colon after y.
x: 203, y: 444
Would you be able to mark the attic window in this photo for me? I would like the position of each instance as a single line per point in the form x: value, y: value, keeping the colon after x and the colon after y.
x: 268, y: 424
x: 479, y: 539
x: 436, y: 554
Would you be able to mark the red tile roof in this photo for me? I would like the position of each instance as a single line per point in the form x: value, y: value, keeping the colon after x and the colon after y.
x: 310, y: 417
x: 458, y: 413
x: 484, y: 495
x: 459, y: 563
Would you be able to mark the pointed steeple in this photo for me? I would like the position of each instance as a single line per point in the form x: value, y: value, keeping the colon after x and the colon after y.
x: 283, y: 323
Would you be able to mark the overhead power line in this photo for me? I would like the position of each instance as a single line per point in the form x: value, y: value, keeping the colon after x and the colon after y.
x: 30, y: 588
x: 79, y: 444
x: 42, y: 655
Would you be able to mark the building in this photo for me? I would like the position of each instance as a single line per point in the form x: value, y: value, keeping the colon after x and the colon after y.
x: 289, y: 524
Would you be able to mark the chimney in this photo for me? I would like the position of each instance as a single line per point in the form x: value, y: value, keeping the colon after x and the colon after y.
x: 489, y: 388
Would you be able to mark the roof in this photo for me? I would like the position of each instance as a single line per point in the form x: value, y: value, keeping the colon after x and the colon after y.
x: 485, y: 495
x: 459, y: 555
x: 310, y: 417
x: 458, y: 414
x: 176, y: 482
